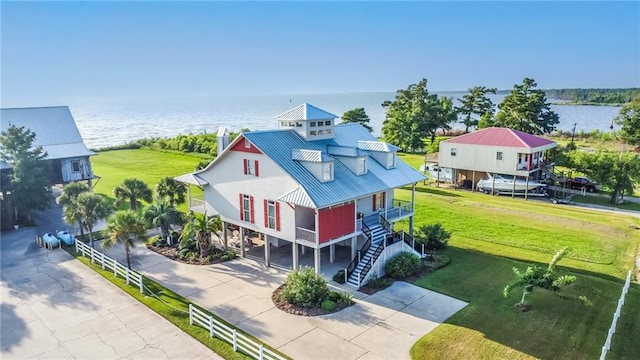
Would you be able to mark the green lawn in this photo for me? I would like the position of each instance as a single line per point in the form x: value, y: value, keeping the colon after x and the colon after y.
x: 148, y: 165
x: 554, y: 328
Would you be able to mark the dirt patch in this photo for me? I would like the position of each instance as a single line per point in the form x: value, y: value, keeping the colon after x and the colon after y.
x: 299, y: 310
x: 173, y: 253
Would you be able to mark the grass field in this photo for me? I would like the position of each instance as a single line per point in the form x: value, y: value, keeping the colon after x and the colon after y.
x: 148, y: 165
x: 492, y: 234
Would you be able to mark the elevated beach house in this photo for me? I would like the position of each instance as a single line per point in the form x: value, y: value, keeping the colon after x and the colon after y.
x: 57, y: 133
x: 310, y: 185
x: 497, y: 151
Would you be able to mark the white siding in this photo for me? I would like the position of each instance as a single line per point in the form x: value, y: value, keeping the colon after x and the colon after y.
x: 68, y: 173
x: 481, y: 158
x: 352, y: 163
x: 227, y: 181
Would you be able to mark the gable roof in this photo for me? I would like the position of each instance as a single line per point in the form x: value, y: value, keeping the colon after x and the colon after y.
x: 495, y: 136
x: 306, y: 111
x: 54, y: 126
x: 278, y: 145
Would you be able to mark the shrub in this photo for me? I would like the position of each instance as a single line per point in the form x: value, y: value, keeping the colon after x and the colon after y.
x: 228, y: 255
x: 328, y: 305
x: 403, y: 265
x: 339, y: 277
x: 434, y: 237
x: 345, y: 298
x: 304, y: 288
x: 334, y: 296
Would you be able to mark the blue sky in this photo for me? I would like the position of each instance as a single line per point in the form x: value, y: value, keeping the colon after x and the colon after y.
x: 52, y: 52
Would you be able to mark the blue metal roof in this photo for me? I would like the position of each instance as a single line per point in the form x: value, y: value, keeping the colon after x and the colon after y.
x: 306, y: 111
x: 310, y: 155
x: 378, y: 146
x: 346, y: 151
x: 278, y: 145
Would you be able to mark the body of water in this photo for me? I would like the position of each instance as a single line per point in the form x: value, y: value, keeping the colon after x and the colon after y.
x: 120, y: 122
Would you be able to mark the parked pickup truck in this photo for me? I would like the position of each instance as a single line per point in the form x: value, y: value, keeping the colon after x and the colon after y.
x: 581, y: 182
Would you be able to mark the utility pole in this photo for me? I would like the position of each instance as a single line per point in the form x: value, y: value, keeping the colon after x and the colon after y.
x: 573, y: 132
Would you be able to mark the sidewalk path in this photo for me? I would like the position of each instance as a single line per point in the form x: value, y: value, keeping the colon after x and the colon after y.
x: 54, y: 307
x: 380, y: 326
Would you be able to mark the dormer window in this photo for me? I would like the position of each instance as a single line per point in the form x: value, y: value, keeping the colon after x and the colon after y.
x: 247, y: 143
x: 327, y: 171
x: 327, y: 123
x: 361, y: 167
x: 391, y: 160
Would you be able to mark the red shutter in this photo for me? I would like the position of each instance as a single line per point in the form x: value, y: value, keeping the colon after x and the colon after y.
x: 245, y: 166
x: 277, y: 216
x: 251, y: 210
x: 266, y: 213
x: 241, y: 208
x: 374, y: 202
x: 256, y: 164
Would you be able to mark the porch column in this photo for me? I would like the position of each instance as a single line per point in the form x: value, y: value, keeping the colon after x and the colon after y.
x: 493, y: 184
x: 513, y: 191
x: 304, y: 250
x: 354, y: 246
x: 316, y: 260
x: 332, y: 253
x: 473, y: 181
x: 189, y: 197
x: 241, y: 229
x: 225, y: 236
x: 526, y: 188
x: 294, y: 254
x: 413, y: 207
x: 267, y: 251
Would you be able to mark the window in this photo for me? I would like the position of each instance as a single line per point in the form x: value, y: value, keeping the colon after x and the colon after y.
x: 251, y: 167
x: 391, y: 160
x: 320, y: 132
x: 312, y: 132
x: 328, y: 131
x: 362, y: 166
x: 327, y: 123
x: 75, y: 166
x: 454, y: 151
x: 246, y: 208
x: 298, y: 124
x: 327, y: 171
x: 499, y: 155
x: 272, y: 215
x: 247, y: 143
x: 312, y: 124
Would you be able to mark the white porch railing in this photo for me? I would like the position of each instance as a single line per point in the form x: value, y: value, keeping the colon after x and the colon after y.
x: 305, y: 234
x: 400, y: 209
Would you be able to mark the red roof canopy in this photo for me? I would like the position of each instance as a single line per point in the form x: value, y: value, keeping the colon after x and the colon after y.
x: 501, y: 137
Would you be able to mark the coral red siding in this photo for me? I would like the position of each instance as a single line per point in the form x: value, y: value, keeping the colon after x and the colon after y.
x: 336, y: 222
x: 239, y: 146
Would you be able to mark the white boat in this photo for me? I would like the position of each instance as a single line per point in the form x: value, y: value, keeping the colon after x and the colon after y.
x: 437, y: 173
x: 505, y: 184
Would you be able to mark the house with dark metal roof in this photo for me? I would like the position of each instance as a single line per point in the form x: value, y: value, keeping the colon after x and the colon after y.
x: 312, y: 185
x: 496, y: 151
x: 57, y: 133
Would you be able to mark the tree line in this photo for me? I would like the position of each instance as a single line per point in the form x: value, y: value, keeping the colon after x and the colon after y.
x: 595, y: 96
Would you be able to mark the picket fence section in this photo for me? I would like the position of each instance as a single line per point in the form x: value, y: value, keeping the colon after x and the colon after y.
x: 197, y: 317
x: 616, y: 315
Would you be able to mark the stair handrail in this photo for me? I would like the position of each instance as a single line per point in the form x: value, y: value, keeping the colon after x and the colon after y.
x: 366, y: 231
x: 410, y: 241
x: 386, y: 225
x: 376, y: 254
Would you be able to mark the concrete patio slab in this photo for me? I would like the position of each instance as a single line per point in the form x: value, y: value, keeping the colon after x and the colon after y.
x: 403, y: 292
x: 435, y: 307
x: 216, y: 295
x: 410, y: 324
x: 242, y: 308
x: 276, y: 327
x: 386, y: 341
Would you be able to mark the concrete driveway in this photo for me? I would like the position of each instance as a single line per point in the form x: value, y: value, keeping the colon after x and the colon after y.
x: 54, y: 307
x: 380, y: 326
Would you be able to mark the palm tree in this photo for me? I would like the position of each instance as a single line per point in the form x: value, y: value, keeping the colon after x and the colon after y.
x: 91, y: 208
x: 200, y: 227
x: 173, y: 189
x: 162, y: 214
x: 544, y: 278
x: 68, y: 200
x: 131, y: 190
x: 125, y: 227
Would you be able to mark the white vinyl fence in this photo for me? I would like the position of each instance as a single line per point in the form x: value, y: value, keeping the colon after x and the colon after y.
x: 616, y: 315
x: 231, y: 335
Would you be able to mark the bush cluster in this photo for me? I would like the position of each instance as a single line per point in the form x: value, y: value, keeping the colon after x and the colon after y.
x: 305, y: 288
x: 403, y: 265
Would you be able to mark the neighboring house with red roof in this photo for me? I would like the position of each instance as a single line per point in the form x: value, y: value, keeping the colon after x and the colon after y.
x: 312, y: 186
x: 496, y: 151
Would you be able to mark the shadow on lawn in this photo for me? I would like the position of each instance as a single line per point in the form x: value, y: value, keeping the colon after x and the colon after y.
x: 432, y: 191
